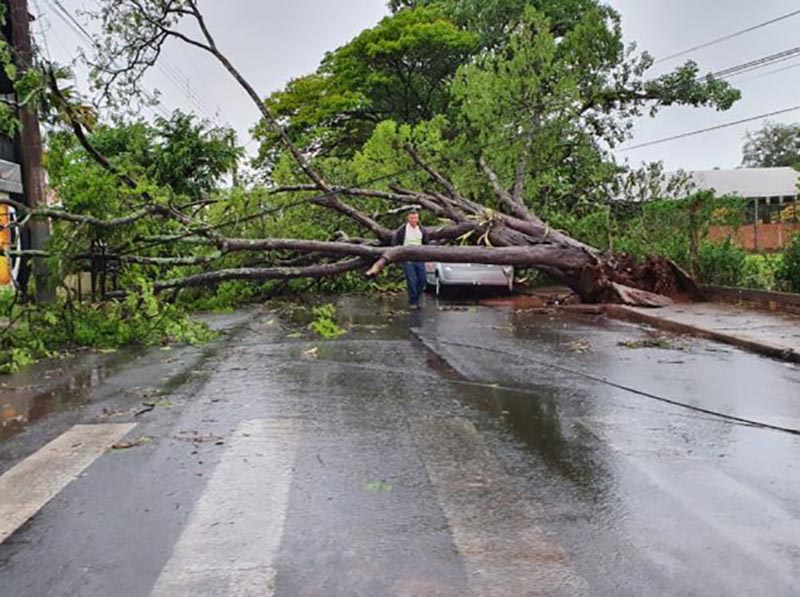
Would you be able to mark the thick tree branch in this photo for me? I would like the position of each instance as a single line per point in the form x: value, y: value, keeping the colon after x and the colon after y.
x: 516, y: 208
x: 435, y: 175
x: 398, y: 196
x: 263, y: 274
x: 58, y: 214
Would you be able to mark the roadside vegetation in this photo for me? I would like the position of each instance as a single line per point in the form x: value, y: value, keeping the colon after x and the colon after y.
x: 30, y: 332
x: 679, y: 230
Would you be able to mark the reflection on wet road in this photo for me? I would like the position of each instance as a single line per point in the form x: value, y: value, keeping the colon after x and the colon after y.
x: 437, y: 453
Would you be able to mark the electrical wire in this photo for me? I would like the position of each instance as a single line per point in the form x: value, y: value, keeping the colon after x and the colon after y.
x: 173, y: 75
x: 169, y: 71
x: 73, y: 20
x: 769, y: 74
x: 41, y: 31
x: 81, y: 32
x: 727, y: 37
x: 757, y: 64
x: 619, y: 386
x: 711, y: 128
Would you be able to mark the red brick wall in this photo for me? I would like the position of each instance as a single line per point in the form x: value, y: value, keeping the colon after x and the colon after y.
x: 771, y: 237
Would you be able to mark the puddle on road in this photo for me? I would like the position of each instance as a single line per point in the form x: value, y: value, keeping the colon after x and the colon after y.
x: 534, y: 416
x: 47, y: 388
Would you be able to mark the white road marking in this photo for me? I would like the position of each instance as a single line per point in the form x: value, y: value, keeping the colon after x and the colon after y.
x: 494, y: 528
x: 29, y: 485
x: 232, y: 538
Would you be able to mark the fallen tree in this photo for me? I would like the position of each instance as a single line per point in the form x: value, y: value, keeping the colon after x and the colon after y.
x: 499, y: 220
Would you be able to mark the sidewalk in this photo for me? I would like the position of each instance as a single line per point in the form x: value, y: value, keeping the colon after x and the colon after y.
x: 772, y: 334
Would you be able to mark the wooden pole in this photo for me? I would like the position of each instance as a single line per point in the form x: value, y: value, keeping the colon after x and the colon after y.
x: 31, y: 151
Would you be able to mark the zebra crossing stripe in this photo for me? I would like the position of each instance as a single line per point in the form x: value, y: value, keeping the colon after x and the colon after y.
x: 230, y: 542
x: 494, y: 528
x: 29, y: 485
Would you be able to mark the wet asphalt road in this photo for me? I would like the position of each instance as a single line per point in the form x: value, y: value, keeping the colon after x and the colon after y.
x: 424, y: 453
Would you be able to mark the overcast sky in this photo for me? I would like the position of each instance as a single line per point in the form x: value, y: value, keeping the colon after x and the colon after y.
x: 272, y: 41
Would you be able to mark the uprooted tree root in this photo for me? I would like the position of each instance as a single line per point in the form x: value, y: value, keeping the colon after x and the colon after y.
x: 620, y: 279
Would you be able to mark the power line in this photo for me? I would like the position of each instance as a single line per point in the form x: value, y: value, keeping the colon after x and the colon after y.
x: 81, y: 32
x: 171, y: 76
x: 74, y: 21
x: 712, y: 128
x: 757, y: 64
x: 41, y: 31
x: 719, y: 40
x: 770, y: 73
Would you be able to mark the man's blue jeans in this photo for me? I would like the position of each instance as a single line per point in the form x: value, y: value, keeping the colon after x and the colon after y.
x: 416, y: 281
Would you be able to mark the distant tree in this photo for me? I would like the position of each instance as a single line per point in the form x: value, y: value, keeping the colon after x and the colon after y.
x: 774, y: 146
x: 400, y: 69
x: 495, y: 19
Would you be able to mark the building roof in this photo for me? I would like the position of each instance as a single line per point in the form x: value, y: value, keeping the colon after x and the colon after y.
x: 749, y: 182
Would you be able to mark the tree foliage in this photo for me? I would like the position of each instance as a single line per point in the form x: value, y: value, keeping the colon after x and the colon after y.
x: 774, y: 146
x: 544, y: 105
x: 399, y: 70
x: 493, y: 20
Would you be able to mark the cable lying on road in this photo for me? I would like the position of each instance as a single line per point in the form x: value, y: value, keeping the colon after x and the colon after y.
x: 604, y: 381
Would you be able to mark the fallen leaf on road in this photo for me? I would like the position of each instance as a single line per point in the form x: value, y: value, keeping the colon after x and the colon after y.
x: 312, y: 353
x: 123, y: 445
x: 377, y: 487
x: 580, y: 346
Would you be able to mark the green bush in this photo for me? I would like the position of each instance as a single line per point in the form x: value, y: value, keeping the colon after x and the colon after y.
x: 30, y: 332
x: 762, y: 272
x: 790, y: 270
x: 721, y: 264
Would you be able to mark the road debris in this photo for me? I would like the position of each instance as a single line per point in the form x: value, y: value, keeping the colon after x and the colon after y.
x: 662, y: 342
x: 198, y: 438
x: 581, y: 346
x: 127, y: 445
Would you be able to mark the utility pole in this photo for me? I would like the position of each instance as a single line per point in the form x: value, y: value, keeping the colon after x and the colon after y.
x: 31, y: 150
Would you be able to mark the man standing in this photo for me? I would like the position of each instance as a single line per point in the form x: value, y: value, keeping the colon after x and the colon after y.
x: 412, y: 234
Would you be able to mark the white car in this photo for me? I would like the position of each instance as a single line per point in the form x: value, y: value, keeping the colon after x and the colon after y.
x: 442, y: 275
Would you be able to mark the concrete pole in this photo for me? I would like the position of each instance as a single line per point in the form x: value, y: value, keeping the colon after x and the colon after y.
x: 31, y: 151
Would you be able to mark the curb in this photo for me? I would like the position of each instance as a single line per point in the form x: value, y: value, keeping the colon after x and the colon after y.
x: 759, y: 299
x: 769, y: 350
